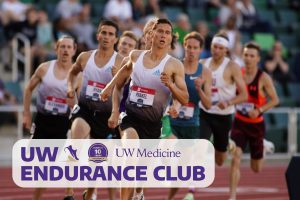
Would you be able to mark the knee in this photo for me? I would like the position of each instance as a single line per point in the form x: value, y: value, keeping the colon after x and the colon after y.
x: 78, y: 129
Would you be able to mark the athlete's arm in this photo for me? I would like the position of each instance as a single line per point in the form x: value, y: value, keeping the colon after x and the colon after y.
x: 237, y: 76
x: 107, y: 91
x: 205, y: 93
x: 117, y: 65
x: 269, y: 88
x: 77, y: 67
x: 34, y: 81
x: 178, y: 87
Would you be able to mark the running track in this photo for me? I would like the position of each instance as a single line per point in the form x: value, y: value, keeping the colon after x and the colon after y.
x: 268, y: 185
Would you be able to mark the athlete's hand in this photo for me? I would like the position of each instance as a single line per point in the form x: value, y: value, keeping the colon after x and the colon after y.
x: 70, y: 92
x: 173, y: 112
x: 105, y: 94
x: 27, y: 121
x: 199, y: 82
x: 165, y: 79
x: 253, y: 113
x: 70, y: 102
x: 113, y: 120
x: 222, y: 105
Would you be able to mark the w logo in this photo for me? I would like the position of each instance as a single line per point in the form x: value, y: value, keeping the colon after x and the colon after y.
x: 156, y: 73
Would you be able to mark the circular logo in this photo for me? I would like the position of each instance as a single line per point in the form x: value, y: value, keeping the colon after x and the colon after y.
x: 98, y: 153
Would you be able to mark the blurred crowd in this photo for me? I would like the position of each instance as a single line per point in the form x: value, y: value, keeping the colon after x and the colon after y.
x: 43, y: 22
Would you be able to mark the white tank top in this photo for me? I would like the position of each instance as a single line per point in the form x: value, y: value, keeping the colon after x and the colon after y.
x: 148, y: 96
x: 94, y: 81
x: 52, y: 93
x: 221, y: 90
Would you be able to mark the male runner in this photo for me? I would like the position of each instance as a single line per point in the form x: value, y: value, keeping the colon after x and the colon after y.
x: 198, y: 80
x: 53, y: 106
x: 226, y: 78
x: 249, y: 126
x: 91, y: 116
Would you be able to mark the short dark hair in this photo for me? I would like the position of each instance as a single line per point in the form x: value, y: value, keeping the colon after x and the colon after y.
x: 166, y: 21
x: 195, y: 35
x: 109, y: 23
x: 253, y: 45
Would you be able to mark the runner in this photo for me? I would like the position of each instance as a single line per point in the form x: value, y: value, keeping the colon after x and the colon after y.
x: 226, y: 78
x: 249, y: 126
x: 154, y: 75
x: 53, y: 106
x: 128, y: 41
x: 198, y: 80
x: 89, y: 119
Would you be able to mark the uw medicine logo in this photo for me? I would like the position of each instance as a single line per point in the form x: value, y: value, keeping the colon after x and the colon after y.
x: 113, y: 163
x: 98, y: 153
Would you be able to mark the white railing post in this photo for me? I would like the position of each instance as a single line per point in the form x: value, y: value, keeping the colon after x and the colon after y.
x: 18, y: 56
x: 292, y: 132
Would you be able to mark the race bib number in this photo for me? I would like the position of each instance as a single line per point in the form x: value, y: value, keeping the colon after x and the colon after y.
x: 244, y: 108
x: 215, y: 98
x: 187, y: 111
x: 56, y: 105
x: 93, y: 90
x: 142, y: 97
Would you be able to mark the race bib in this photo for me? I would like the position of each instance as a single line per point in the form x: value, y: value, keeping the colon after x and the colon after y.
x: 93, y: 90
x: 187, y: 110
x: 215, y: 98
x: 142, y: 97
x: 244, y: 108
x: 56, y: 105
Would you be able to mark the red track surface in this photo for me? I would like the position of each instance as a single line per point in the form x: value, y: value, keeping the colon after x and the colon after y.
x: 268, y: 185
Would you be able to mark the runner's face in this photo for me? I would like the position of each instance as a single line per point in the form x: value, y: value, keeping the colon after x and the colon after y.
x: 192, y: 49
x: 251, y: 57
x: 65, y: 49
x: 218, y: 51
x: 126, y: 45
x: 148, y: 39
x: 162, y: 36
x: 107, y: 36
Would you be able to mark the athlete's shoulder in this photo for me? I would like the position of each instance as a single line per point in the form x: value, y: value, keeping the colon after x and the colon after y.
x: 42, y: 69
x: 134, y: 54
x: 174, y: 61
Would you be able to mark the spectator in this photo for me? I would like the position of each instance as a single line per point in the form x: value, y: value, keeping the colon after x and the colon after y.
x: 84, y: 31
x: 152, y: 8
x: 67, y: 13
x: 6, y: 98
x: 233, y: 33
x: 138, y: 9
x: 119, y: 11
x: 250, y: 19
x: 13, y: 10
x: 277, y: 67
x: 228, y: 9
x: 202, y: 28
x: 182, y: 27
x: 45, y: 39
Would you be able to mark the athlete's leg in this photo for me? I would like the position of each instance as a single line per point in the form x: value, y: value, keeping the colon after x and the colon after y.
x: 112, y: 193
x: 235, y: 172
x: 129, y: 133
x: 172, y: 193
x: 80, y: 129
x: 256, y: 165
